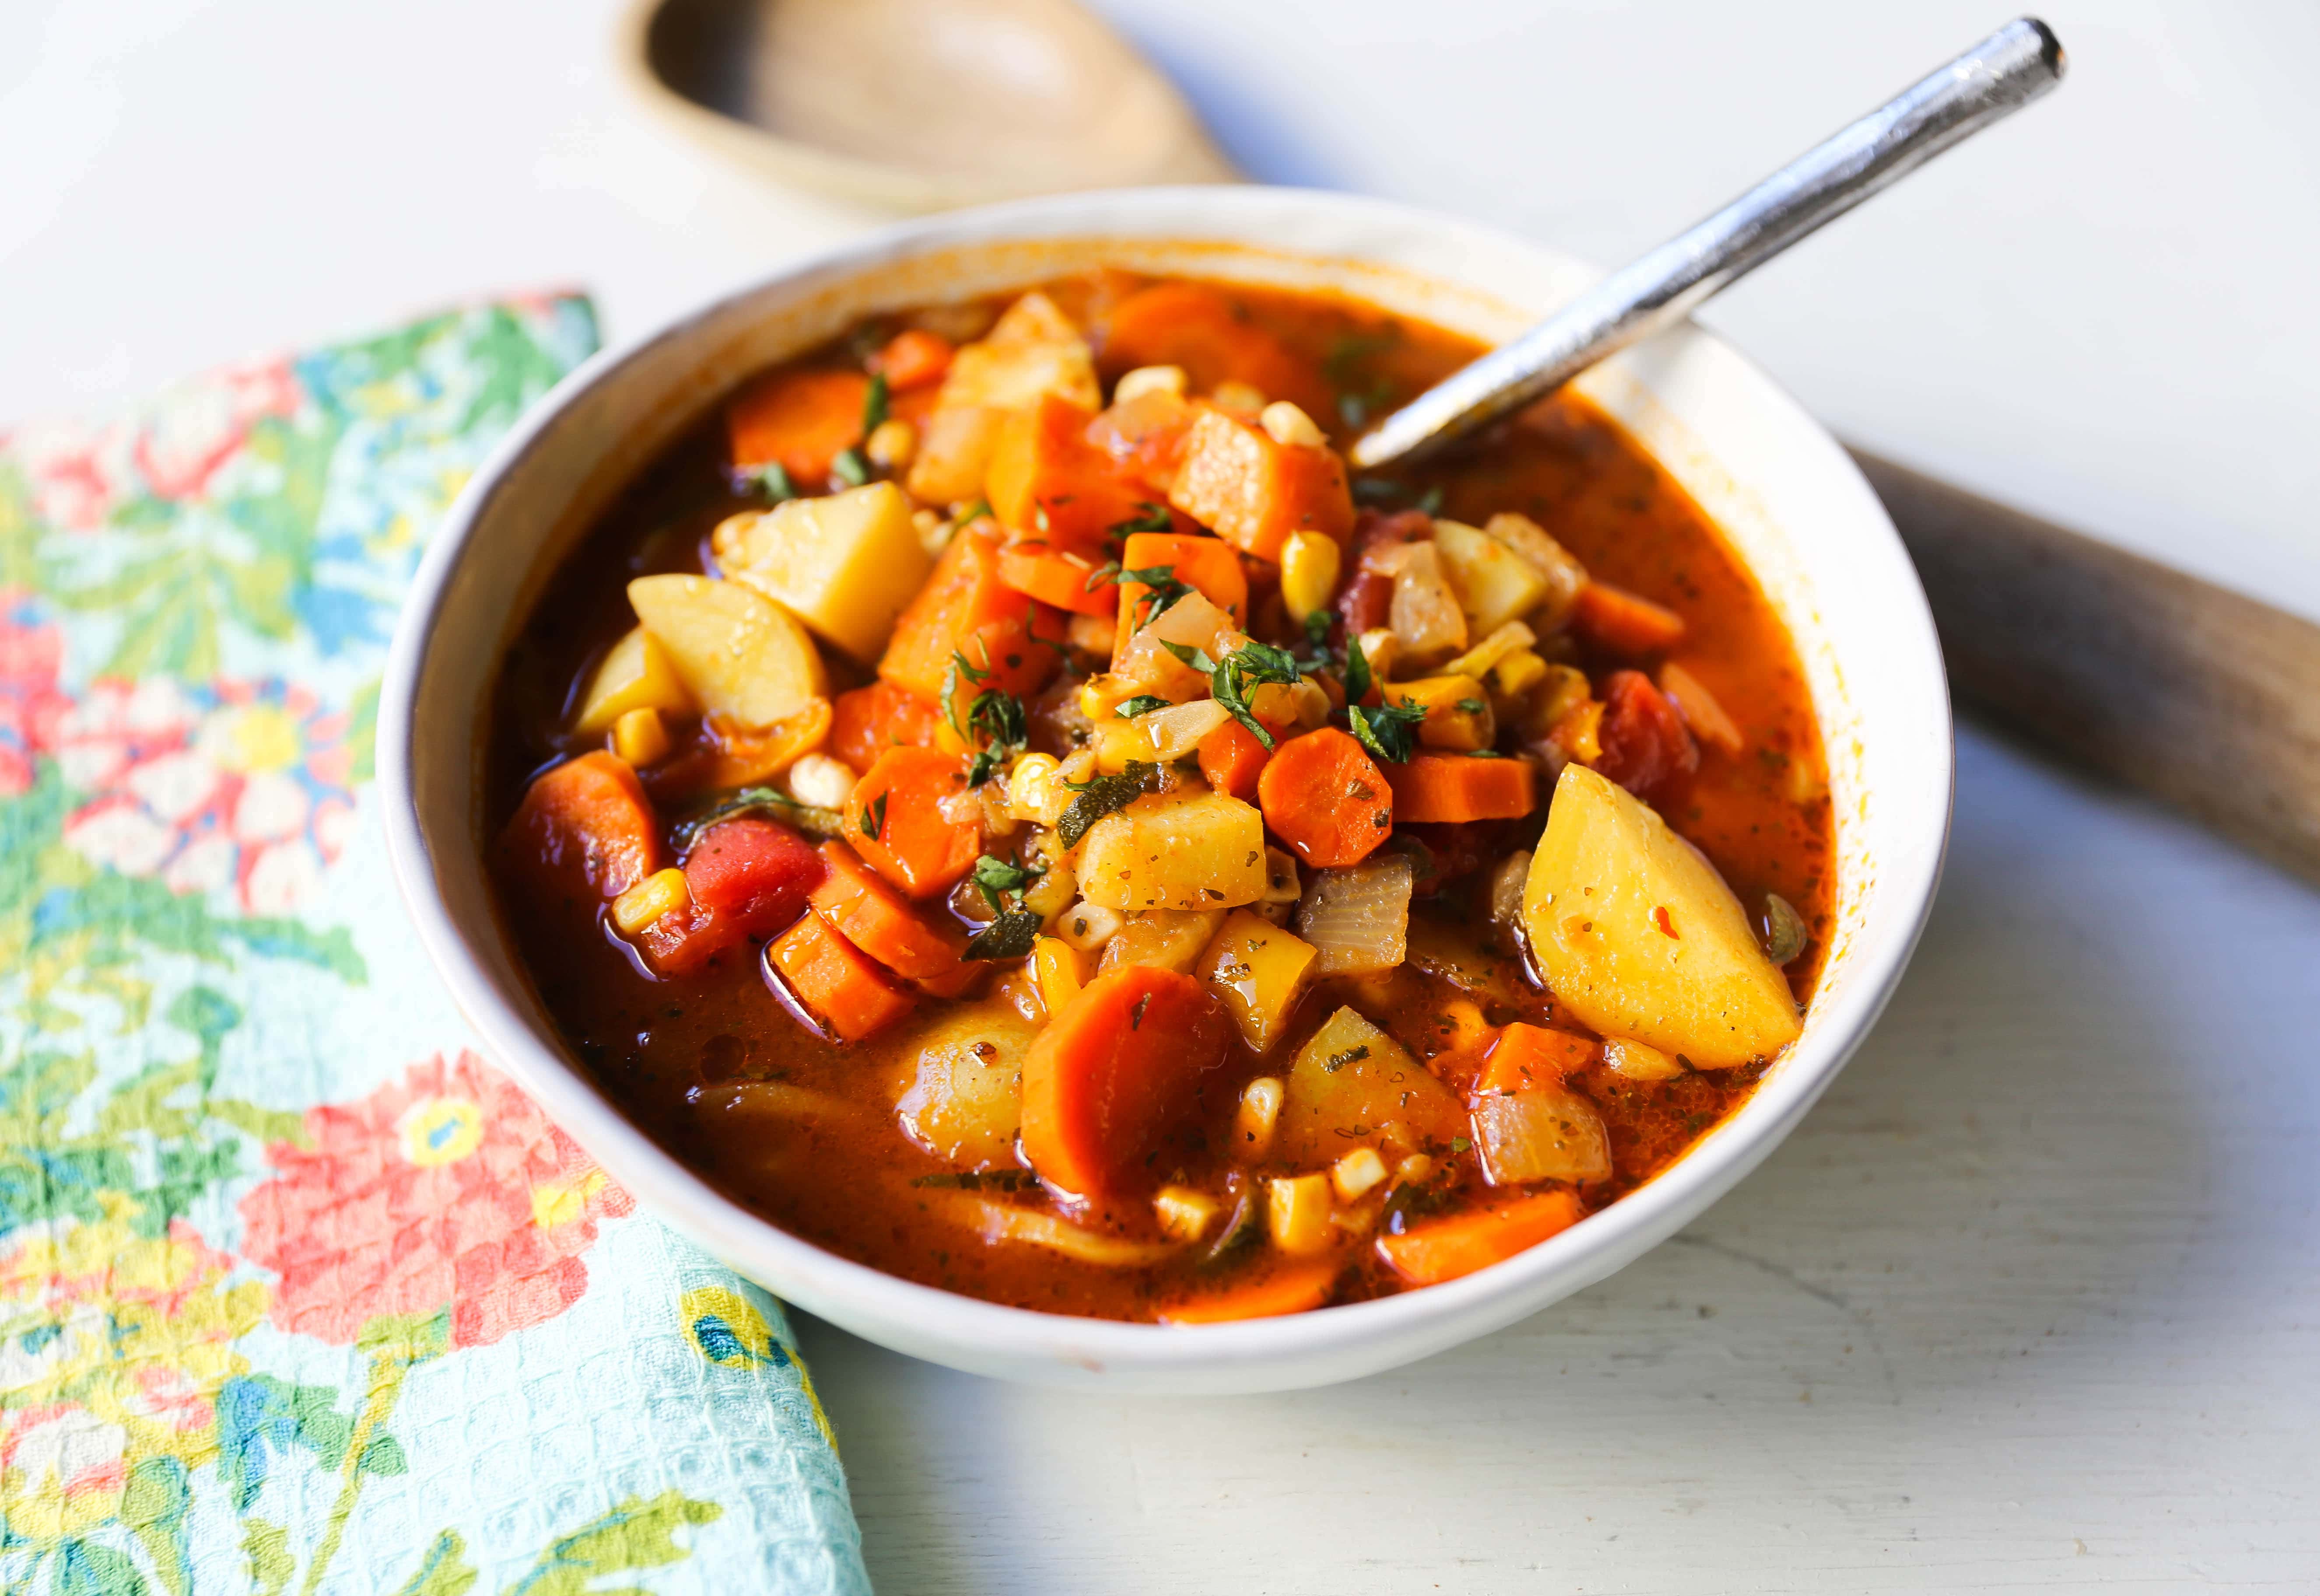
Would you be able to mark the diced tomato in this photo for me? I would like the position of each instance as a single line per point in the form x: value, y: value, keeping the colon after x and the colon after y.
x: 749, y: 878
x: 1646, y: 744
x: 868, y: 720
x: 585, y: 833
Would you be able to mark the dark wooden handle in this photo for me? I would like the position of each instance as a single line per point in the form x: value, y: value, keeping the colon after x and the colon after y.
x: 2203, y: 698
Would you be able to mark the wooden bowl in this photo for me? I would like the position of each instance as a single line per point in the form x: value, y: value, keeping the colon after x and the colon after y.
x: 916, y: 105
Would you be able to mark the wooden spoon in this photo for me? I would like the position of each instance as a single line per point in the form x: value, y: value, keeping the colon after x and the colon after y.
x: 918, y: 105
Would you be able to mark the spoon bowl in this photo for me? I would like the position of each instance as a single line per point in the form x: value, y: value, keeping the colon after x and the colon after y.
x: 916, y: 105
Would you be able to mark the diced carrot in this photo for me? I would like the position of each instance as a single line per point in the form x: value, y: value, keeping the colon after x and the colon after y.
x: 1292, y: 1289
x: 966, y: 609
x: 1643, y: 742
x: 1625, y: 623
x: 843, y: 986
x: 1119, y: 1067
x: 868, y: 720
x: 1699, y: 708
x: 1232, y: 760
x: 1323, y: 795
x: 1527, y: 1056
x: 723, y: 754
x: 1448, y: 789
x: 913, y: 359
x: 1056, y: 576
x: 1046, y: 480
x: 1202, y: 330
x: 1444, y: 1249
x: 1209, y: 566
x: 860, y: 906
x: 802, y: 421
x: 745, y: 877
x: 1252, y: 491
x: 1145, y: 437
x: 895, y: 821
x: 585, y: 832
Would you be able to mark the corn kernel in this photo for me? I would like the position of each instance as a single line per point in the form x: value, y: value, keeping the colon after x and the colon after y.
x: 1100, y: 695
x: 1088, y: 926
x: 1356, y: 1173
x: 934, y: 532
x: 1031, y: 787
x: 640, y: 738
x: 822, y: 781
x: 1148, y: 379
x: 1290, y: 426
x: 661, y: 892
x: 891, y: 444
x: 1506, y: 640
x: 1413, y: 1171
x: 1518, y: 672
x: 1309, y: 566
x: 1118, y: 743
x: 1297, y: 1213
x: 1060, y: 969
x: 1243, y: 399
x: 1259, y: 1113
x: 1184, y: 1214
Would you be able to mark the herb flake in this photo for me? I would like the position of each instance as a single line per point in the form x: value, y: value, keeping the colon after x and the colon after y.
x: 1103, y: 796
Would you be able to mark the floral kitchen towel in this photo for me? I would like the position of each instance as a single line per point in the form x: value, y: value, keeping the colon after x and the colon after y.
x: 296, y: 1292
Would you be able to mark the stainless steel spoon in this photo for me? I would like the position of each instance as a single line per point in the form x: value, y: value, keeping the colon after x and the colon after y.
x: 2002, y: 73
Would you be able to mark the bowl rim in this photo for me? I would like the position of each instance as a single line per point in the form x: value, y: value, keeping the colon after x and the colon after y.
x: 990, y: 1335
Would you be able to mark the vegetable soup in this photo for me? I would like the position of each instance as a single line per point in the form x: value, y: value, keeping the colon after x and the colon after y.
x: 1004, y: 803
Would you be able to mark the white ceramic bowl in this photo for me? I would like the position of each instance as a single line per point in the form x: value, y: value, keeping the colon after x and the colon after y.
x: 1784, y: 492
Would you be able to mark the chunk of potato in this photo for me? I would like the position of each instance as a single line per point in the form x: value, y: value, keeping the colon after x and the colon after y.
x: 1542, y: 1133
x: 1033, y: 350
x: 1257, y: 970
x: 962, y: 1100
x: 1170, y: 851
x: 637, y: 675
x: 1638, y: 935
x: 1349, y: 1080
x: 1162, y: 938
x: 845, y: 565
x: 1494, y: 583
x: 739, y: 654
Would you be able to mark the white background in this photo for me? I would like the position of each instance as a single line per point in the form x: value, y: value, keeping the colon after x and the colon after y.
x: 2032, y: 1298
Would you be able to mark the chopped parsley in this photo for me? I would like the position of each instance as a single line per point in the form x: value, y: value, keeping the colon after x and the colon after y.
x: 996, y: 877
x: 874, y: 818
x: 1104, y: 795
x: 1471, y: 706
x: 995, y: 722
x: 1195, y: 657
x: 1155, y: 519
x: 1143, y: 703
x: 773, y: 480
x: 1251, y: 665
x: 806, y: 816
x: 874, y: 407
x: 1162, y: 590
x: 1316, y: 655
x: 1337, y: 1061
x: 1385, y: 731
x: 850, y: 467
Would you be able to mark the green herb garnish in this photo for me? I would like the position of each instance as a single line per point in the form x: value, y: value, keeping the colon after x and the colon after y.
x: 1471, y: 706
x: 996, y: 878
x: 1103, y: 796
x: 874, y: 818
x: 1252, y: 664
x: 806, y: 816
x: 1162, y: 590
x: 1358, y: 669
x: 850, y: 467
x: 1155, y: 519
x: 1337, y: 1061
x: 1197, y: 658
x: 1143, y: 703
x: 874, y: 407
x: 1385, y: 731
x: 1009, y: 935
x: 1459, y: 1144
x: 1316, y: 656
x: 773, y: 480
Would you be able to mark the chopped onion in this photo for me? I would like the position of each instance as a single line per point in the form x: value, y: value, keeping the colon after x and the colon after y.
x: 1425, y: 614
x: 1190, y: 622
x: 1002, y: 1221
x: 1358, y: 919
x: 1541, y: 1134
x: 1176, y: 731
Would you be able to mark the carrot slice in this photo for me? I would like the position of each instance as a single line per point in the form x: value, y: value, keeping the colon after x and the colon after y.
x: 1202, y: 330
x: 1625, y: 623
x: 1527, y: 1056
x: 1056, y: 576
x: 1232, y: 760
x: 1444, y: 1249
x: 966, y: 609
x: 861, y: 907
x: 1120, y: 1065
x: 895, y: 821
x: 1290, y: 1290
x: 802, y: 421
x: 585, y: 831
x: 1209, y: 566
x: 1699, y: 708
x: 1324, y: 796
x: 868, y: 720
x: 913, y: 359
x: 1254, y: 491
x: 1046, y: 480
x: 843, y: 986
x: 1448, y: 789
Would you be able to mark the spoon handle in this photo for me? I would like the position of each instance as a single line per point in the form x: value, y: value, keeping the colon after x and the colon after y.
x: 2005, y: 71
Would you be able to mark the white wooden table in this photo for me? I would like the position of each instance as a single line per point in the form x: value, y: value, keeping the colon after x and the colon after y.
x: 2031, y: 1299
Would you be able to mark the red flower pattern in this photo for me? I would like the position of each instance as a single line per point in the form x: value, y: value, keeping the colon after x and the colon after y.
x: 447, y: 1190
